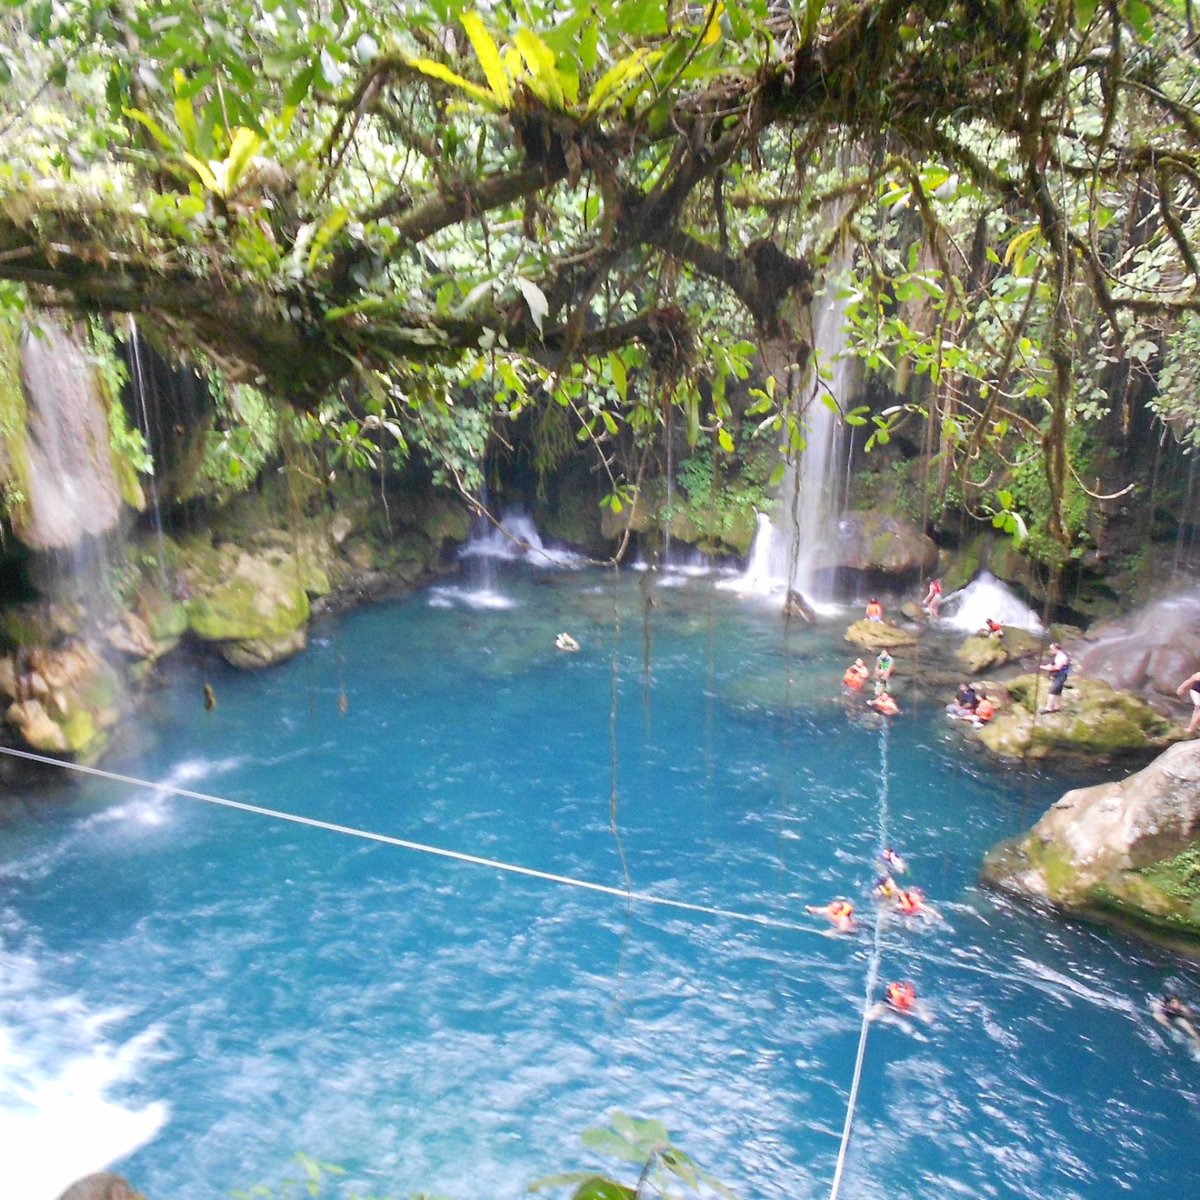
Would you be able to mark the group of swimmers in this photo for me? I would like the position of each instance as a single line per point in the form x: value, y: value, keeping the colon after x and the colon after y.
x: 970, y: 704
x: 857, y: 674
x: 900, y: 996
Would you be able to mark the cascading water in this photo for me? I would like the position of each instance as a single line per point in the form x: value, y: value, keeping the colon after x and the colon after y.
x: 139, y: 385
x: 74, y: 503
x: 985, y: 596
x: 73, y: 489
x: 791, y: 546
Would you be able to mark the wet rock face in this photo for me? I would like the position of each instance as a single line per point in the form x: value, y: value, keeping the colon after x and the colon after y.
x: 873, y: 540
x: 1129, y: 849
x: 1152, y: 650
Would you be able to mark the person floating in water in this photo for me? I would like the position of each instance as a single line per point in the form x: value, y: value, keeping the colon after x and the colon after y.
x: 1058, y: 666
x: 933, y: 597
x: 885, y: 888
x: 1173, y: 1014
x: 874, y: 610
x: 839, y: 912
x: 910, y: 902
x: 885, y: 664
x: 884, y: 703
x: 565, y: 641
x: 857, y: 673
x: 899, y: 1000
x: 894, y: 863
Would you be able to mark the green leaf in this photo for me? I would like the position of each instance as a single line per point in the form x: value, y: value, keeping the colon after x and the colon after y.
x: 612, y: 83
x: 207, y: 178
x: 1085, y: 10
x: 489, y: 57
x: 620, y: 377
x: 599, y: 1188
x: 726, y: 442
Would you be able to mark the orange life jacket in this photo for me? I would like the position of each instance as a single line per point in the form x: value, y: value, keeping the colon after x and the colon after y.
x: 908, y: 902
x: 901, y: 995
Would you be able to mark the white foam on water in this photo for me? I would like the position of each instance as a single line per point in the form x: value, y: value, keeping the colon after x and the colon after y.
x: 985, y: 596
x: 61, y: 1071
x: 516, y: 539
x: 476, y: 598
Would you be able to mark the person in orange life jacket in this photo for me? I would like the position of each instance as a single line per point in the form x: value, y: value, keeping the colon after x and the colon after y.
x: 874, y: 610
x: 910, y: 902
x: 839, y: 912
x: 884, y: 703
x: 857, y: 673
x: 1058, y: 666
x: 985, y: 710
x: 899, y: 1000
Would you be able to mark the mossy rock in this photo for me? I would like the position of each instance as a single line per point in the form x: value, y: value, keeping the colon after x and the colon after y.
x: 879, y: 635
x: 252, y: 654
x: 444, y: 520
x: 254, y: 600
x: 1095, y: 721
x: 1127, y: 850
x: 979, y: 654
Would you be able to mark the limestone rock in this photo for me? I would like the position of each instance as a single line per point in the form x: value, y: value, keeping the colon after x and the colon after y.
x: 101, y: 1186
x: 874, y: 540
x: 245, y: 597
x: 254, y: 653
x: 1129, y: 849
x: 979, y: 654
x: 1096, y: 720
x: 879, y: 635
x: 36, y: 727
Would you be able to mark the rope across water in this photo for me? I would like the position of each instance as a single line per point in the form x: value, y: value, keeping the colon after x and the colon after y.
x: 872, y: 977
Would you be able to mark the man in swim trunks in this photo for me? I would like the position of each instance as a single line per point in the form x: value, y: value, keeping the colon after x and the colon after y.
x: 1058, y: 666
x: 1191, y: 685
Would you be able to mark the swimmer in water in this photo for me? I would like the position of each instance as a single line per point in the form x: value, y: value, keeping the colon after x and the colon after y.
x: 910, y: 902
x: 839, y: 912
x: 1172, y: 1013
x: 885, y: 888
x: 565, y: 641
x: 899, y: 1000
x: 894, y: 863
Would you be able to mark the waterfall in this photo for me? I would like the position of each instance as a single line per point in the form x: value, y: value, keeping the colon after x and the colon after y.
x: 968, y: 609
x: 73, y: 489
x: 138, y: 386
x: 792, y: 548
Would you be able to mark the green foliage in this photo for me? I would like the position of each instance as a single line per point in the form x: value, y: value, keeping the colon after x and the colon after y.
x: 646, y: 1144
x: 317, y: 1181
x: 247, y: 436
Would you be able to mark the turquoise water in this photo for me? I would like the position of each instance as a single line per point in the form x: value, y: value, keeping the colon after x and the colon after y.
x: 206, y: 991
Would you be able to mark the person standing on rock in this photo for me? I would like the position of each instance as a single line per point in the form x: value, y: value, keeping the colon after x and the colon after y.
x: 933, y: 598
x: 1059, y: 666
x: 1191, y: 685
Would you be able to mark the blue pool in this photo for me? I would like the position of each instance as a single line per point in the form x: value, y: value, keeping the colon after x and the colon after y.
x: 195, y: 993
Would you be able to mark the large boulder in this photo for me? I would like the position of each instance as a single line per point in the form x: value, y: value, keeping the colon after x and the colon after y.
x: 1129, y: 849
x: 1152, y: 650
x: 1095, y: 721
x: 258, y: 600
x: 979, y: 654
x: 101, y: 1186
x: 874, y: 540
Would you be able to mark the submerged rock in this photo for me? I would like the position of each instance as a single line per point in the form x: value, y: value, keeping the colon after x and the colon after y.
x: 101, y: 1186
x: 1096, y: 720
x: 1128, y: 850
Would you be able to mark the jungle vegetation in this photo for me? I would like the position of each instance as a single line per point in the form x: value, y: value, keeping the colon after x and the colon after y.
x: 413, y: 221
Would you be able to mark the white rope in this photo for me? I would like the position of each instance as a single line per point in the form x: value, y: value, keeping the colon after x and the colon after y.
x: 872, y: 979
x: 420, y: 847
